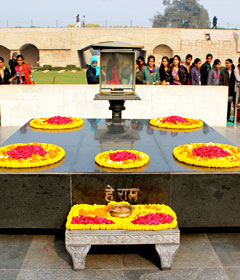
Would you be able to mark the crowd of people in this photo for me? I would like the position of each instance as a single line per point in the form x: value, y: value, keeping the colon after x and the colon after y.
x: 20, y: 73
x: 173, y: 71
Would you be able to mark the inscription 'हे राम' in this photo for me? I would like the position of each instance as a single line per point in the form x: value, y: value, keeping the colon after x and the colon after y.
x: 128, y: 194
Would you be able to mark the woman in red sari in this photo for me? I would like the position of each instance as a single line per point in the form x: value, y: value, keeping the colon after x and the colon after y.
x: 113, y: 71
x: 23, y: 72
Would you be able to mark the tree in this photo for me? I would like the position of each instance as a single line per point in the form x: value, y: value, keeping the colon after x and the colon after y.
x: 182, y: 14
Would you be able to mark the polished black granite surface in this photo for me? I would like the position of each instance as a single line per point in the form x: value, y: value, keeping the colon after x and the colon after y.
x: 42, y: 198
x: 97, y: 135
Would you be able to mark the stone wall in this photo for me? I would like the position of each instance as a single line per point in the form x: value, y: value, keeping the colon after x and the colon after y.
x: 60, y: 46
x: 19, y: 104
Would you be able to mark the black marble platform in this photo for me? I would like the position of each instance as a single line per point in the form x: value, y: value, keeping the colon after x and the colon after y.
x: 41, y: 198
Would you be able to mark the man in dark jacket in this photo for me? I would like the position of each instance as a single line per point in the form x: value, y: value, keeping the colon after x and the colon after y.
x: 227, y: 78
x: 205, y: 69
x: 13, y: 63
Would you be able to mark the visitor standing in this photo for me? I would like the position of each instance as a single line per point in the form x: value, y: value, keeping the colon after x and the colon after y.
x: 93, y: 71
x: 213, y: 75
x: 140, y: 64
x: 195, y: 72
x: 23, y: 72
x: 227, y: 78
x: 78, y: 23
x: 205, y: 68
x: 13, y: 63
x: 187, y: 66
x: 151, y: 72
x: 178, y: 73
x: 4, y: 73
x: 237, y: 72
x: 164, y: 71
x: 237, y: 87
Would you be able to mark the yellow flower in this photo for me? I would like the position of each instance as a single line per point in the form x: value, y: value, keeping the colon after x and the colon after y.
x: 191, y: 124
x: 122, y: 223
x: 103, y: 159
x: 54, y: 154
x: 41, y: 124
x: 183, y: 153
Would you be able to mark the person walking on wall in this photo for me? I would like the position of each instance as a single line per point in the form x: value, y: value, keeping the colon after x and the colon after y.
x: 227, y: 78
x: 78, y: 23
x: 93, y: 71
x: 214, y: 22
x: 84, y: 21
x: 205, y: 68
x: 195, y: 72
x: 23, y: 72
x: 214, y: 75
x: 151, y: 72
x: 5, y: 75
x: 13, y: 63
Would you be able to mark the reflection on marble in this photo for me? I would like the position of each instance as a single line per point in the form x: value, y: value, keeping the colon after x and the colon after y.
x: 82, y: 145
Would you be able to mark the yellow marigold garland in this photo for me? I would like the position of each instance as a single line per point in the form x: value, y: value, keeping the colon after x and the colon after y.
x: 103, y: 159
x: 191, y: 124
x: 184, y: 153
x: 53, y: 155
x: 42, y: 124
x: 119, y: 223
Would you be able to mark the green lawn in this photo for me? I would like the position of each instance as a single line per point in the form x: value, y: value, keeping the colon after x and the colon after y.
x: 53, y: 77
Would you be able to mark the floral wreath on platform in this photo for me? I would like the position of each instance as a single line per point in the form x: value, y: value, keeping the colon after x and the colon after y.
x: 176, y: 122
x: 122, y: 159
x: 143, y: 217
x: 30, y: 155
x: 57, y: 122
x: 208, y: 155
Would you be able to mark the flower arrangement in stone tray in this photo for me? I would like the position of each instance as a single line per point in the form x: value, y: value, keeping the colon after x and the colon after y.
x: 57, y: 122
x: 122, y: 159
x: 208, y: 155
x: 143, y: 217
x: 176, y: 122
x: 30, y: 155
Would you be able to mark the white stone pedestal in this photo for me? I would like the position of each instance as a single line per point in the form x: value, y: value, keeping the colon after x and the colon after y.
x: 78, y: 243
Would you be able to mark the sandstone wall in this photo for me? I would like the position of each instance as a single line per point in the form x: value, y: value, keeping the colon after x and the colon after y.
x: 60, y: 46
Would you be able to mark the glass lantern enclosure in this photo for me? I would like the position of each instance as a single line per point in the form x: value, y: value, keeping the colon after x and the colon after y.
x: 117, y: 67
x: 117, y: 70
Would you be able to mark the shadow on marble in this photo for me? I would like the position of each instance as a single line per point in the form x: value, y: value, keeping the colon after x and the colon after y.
x: 127, y: 256
x: 195, y: 251
x: 64, y: 274
x: 10, y: 274
x: 227, y: 247
x: 13, y: 249
x: 47, y: 252
x: 233, y: 272
x: 178, y: 274
x: 7, y: 131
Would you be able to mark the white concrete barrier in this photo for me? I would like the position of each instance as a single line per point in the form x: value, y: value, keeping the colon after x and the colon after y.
x: 19, y: 104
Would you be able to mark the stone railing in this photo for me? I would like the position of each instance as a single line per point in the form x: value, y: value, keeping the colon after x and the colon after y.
x: 19, y: 104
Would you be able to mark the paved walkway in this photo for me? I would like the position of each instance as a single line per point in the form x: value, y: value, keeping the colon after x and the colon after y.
x: 212, y: 256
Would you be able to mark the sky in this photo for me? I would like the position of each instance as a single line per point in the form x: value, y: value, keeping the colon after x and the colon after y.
x: 104, y: 12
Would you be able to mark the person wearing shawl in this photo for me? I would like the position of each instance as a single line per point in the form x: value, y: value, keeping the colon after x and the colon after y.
x: 23, y: 72
x: 150, y: 72
x: 93, y: 71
